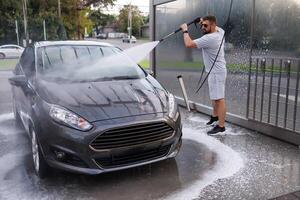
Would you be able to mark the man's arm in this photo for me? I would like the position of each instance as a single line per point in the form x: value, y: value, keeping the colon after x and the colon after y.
x: 188, y: 42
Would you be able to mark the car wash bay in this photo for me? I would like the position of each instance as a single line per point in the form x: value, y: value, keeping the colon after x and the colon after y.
x: 240, y: 164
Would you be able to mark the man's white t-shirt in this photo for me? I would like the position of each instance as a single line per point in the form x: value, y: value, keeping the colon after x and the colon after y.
x: 210, y: 43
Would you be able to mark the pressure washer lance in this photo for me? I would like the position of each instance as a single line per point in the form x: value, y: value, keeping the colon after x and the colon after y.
x: 180, y: 79
x: 195, y: 21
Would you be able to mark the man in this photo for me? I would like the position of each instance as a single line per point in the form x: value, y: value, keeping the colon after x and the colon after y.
x: 210, y: 43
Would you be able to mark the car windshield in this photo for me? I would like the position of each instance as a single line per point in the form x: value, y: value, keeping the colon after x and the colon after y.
x: 85, y: 63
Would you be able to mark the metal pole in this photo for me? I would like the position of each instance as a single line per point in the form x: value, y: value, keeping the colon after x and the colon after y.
x: 296, y: 96
x: 17, y: 32
x: 263, y: 65
x: 270, y: 92
x: 130, y: 22
x: 278, y: 93
x: 250, y: 57
x: 255, y: 88
x: 288, y: 65
x: 59, y: 9
x: 44, y: 25
x: 184, y: 92
x: 153, y: 36
x: 25, y: 22
x: 78, y: 9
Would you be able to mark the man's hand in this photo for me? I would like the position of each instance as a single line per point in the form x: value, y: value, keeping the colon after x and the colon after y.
x: 184, y: 27
x: 189, y: 43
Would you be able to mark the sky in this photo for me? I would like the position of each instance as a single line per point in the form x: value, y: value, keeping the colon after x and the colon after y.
x: 142, y: 4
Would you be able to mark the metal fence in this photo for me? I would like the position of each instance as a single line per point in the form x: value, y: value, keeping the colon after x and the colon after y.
x: 273, y: 89
x: 262, y: 87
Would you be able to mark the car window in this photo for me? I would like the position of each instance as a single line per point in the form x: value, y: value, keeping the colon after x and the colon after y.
x: 7, y: 47
x: 85, y: 63
x: 107, y: 51
x: 95, y: 52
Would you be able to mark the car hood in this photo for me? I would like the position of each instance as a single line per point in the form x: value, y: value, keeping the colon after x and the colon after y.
x: 104, y: 100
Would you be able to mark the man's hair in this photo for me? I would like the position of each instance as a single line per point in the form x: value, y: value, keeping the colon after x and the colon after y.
x: 210, y: 18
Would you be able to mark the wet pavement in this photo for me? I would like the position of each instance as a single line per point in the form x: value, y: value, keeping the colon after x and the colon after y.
x: 239, y: 164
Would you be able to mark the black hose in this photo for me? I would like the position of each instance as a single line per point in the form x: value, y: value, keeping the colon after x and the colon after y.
x: 217, y: 53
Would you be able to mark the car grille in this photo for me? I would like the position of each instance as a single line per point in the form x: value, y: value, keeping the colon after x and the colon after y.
x: 133, y: 135
x: 132, y: 158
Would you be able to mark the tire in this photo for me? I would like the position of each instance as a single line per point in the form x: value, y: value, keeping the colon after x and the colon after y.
x: 41, y: 168
x: 2, y: 56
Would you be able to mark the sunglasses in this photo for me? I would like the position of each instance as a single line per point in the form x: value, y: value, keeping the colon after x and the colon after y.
x: 204, y: 25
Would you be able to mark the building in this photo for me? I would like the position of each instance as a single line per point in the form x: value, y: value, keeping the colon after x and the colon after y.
x: 145, y: 31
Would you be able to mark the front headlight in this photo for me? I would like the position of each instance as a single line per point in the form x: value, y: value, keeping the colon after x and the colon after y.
x: 172, y: 106
x: 60, y: 114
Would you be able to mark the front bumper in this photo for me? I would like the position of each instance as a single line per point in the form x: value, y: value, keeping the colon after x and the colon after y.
x: 81, y: 158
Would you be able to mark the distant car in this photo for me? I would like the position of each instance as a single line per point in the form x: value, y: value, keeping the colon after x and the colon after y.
x: 10, y: 51
x: 88, y: 108
x: 101, y: 36
x: 128, y: 40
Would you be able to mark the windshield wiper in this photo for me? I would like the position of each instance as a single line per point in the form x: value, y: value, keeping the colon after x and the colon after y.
x: 100, y: 79
x: 113, y: 78
x: 125, y: 77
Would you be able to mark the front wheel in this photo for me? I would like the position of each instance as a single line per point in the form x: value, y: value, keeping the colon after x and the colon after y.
x: 2, y: 55
x: 40, y: 166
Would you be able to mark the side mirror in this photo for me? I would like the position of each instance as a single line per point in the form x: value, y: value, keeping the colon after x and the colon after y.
x: 18, y: 80
x: 149, y: 71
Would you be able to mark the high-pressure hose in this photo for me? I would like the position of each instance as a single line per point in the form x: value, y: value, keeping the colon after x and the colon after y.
x: 230, y: 8
x: 195, y: 21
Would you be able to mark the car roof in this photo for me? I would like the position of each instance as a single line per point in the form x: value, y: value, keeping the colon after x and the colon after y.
x: 70, y: 42
x: 10, y: 45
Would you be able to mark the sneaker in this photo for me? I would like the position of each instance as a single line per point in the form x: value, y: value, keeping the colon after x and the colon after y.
x: 212, y: 120
x: 216, y: 130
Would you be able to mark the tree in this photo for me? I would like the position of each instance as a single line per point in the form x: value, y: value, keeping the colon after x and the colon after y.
x: 100, y: 19
x: 9, y: 12
x: 102, y: 3
x: 71, y: 24
x: 137, y: 19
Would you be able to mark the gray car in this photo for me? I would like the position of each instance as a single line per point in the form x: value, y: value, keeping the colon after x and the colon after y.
x: 89, y: 109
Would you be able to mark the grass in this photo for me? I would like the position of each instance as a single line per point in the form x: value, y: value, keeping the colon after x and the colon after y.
x: 145, y: 64
x: 144, y: 39
x: 189, y: 65
x: 8, y: 64
x: 199, y: 65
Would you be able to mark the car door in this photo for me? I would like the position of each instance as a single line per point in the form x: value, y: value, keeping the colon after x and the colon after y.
x: 10, y: 51
x: 14, y: 51
x: 26, y: 94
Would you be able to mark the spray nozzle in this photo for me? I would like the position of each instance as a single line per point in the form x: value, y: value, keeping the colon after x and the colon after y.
x: 197, y: 20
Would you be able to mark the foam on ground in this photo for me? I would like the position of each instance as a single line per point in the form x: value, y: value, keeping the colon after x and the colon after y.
x: 228, y: 162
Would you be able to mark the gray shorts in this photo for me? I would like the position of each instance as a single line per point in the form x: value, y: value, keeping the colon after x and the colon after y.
x: 216, y: 85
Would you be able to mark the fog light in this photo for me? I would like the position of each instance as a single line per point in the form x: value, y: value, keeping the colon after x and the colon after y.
x: 177, y: 148
x: 60, y: 155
